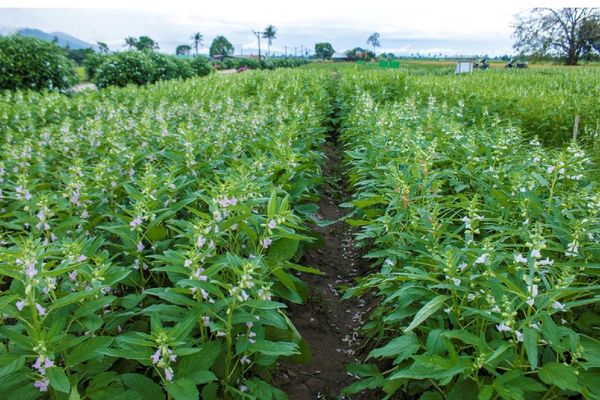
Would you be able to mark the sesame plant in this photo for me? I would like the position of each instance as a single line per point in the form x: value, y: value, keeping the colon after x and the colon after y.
x: 485, y: 248
x: 148, y: 236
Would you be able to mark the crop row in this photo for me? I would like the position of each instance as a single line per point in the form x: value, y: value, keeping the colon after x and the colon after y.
x: 485, y: 247
x: 146, y: 235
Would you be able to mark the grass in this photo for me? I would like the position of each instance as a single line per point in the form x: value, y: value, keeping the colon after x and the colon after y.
x: 81, y: 74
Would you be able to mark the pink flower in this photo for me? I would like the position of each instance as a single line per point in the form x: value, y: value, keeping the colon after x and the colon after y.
x: 81, y: 258
x: 30, y: 271
x: 21, y: 304
x: 272, y: 224
x: 200, y: 241
x: 73, y: 276
x: 233, y: 201
x: 168, y: 374
x: 156, y: 357
x: 42, y: 385
x: 266, y: 243
x: 140, y: 247
x: 41, y: 310
x: 137, y: 221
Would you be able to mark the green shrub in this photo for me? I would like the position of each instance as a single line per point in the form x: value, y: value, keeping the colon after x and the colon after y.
x: 169, y: 67
x: 29, y: 63
x: 200, y: 66
x: 121, y: 69
x: 91, y: 64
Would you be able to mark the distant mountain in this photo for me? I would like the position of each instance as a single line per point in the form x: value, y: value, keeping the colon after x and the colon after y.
x: 63, y: 39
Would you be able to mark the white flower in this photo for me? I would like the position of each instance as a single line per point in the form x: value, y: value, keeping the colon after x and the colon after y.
x: 456, y: 281
x: 572, y: 248
x: 547, y: 261
x: 550, y: 169
x: 519, y: 336
x: 462, y: 266
x: 471, y: 297
x: 503, y: 328
x: 482, y: 259
x: 520, y: 259
x: 467, y: 222
x: 535, y: 253
x: 558, y: 306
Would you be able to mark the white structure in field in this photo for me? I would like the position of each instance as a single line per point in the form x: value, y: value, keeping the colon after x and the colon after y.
x: 464, y: 65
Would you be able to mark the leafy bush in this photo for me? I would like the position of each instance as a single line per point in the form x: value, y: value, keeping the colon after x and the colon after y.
x: 122, y: 69
x: 201, y: 66
x: 29, y: 63
x: 168, y: 67
x: 91, y: 64
x: 143, y: 67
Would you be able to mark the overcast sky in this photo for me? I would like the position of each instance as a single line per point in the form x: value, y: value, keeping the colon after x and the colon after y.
x: 423, y: 26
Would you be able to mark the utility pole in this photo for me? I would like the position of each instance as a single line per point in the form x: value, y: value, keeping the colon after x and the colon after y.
x: 302, y: 50
x: 295, y: 55
x: 285, y: 47
x: 258, y: 35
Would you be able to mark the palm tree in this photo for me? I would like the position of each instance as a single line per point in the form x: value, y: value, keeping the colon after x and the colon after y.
x: 374, y: 40
x: 131, y: 42
x: 197, y: 39
x: 270, y: 33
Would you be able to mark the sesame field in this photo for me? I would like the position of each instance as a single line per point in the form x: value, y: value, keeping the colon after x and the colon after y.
x: 329, y: 232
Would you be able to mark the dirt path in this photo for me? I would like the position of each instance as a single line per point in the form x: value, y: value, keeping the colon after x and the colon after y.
x: 329, y: 326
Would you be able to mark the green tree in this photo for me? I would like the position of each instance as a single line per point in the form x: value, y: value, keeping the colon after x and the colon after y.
x: 183, y: 50
x: 374, y: 41
x: 324, y: 50
x: 197, y: 39
x: 565, y: 32
x: 30, y: 63
x: 270, y: 34
x: 131, y: 42
x: 146, y: 43
x: 102, y: 47
x: 220, y: 46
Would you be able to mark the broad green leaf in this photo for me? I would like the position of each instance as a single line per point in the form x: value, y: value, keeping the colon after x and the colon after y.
x: 530, y: 341
x: 560, y: 375
x: 428, y: 310
x: 58, y: 379
x: 183, y: 389
x: 144, y: 386
x: 401, y: 348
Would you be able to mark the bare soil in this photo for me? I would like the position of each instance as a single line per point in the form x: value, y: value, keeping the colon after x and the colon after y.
x: 328, y: 324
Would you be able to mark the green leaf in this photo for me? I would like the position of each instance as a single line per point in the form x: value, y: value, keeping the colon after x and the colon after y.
x: 269, y: 348
x: 282, y: 250
x: 401, y: 347
x: 183, y: 389
x: 87, y: 350
x: 144, y: 386
x: 58, y: 379
x: 428, y: 309
x: 486, y: 392
x: 530, y: 341
x: 559, y: 375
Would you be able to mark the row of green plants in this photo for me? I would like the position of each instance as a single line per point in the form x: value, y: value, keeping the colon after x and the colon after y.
x: 542, y: 101
x: 148, y: 236
x: 485, y: 249
x: 252, y: 63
